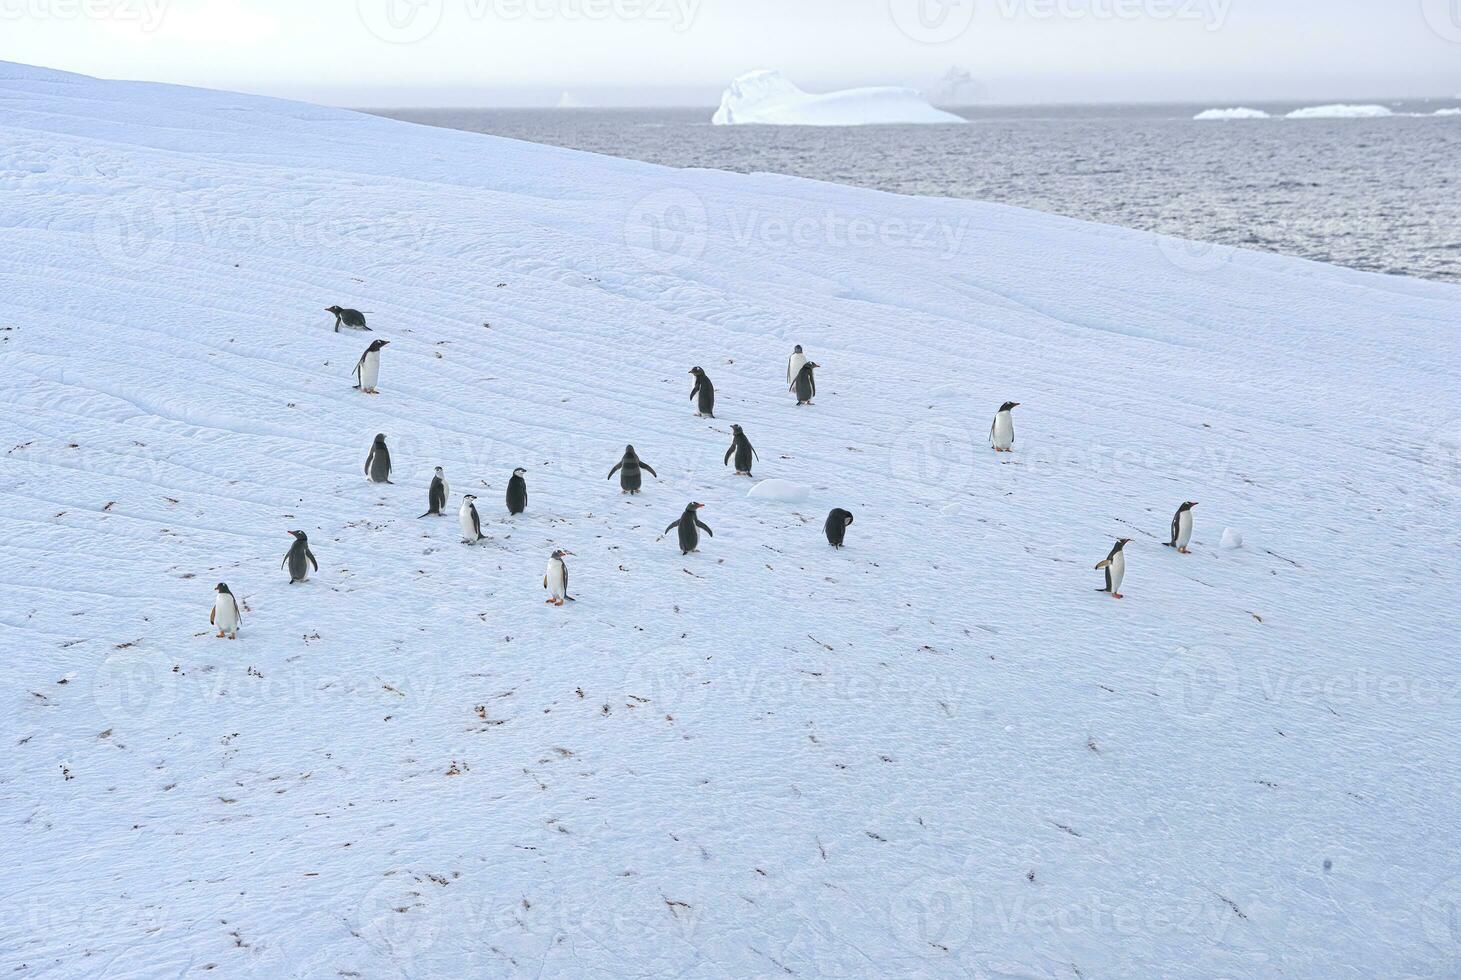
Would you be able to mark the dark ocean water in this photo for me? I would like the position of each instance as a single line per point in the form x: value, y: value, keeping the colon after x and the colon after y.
x: 1382, y: 195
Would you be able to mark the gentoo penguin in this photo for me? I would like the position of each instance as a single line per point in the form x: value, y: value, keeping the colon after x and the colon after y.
x: 378, y: 461
x: 353, y: 319
x: 628, y: 469
x: 1002, y: 430
x: 225, y: 614
x: 836, y: 526
x: 367, y: 369
x: 794, y: 365
x: 1182, y: 527
x: 555, y: 580
x: 299, y: 558
x: 690, y: 528
x: 1115, y: 566
x: 471, y: 523
x: 743, y: 449
x: 517, y: 492
x: 705, y: 406
x: 805, y: 384
x: 436, y: 496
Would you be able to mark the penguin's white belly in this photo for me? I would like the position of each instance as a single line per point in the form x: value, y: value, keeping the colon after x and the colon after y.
x: 557, y: 587
x: 445, y: 491
x: 469, y: 531
x: 1184, y: 528
x: 1004, y: 430
x: 1118, y: 571
x: 794, y: 367
x: 225, y: 614
x: 370, y: 370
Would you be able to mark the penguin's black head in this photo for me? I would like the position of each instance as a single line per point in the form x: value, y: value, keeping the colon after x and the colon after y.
x: 697, y: 371
x: 560, y: 553
x: 438, y: 471
x: 735, y: 428
x: 628, y: 450
x: 1188, y: 505
x: 380, y: 438
x: 519, y: 472
x: 813, y: 364
x: 300, y: 535
x: 798, y: 349
x: 334, y: 309
x: 222, y: 589
x: 1009, y: 405
x: 1122, y: 543
x: 692, y: 507
x: 846, y: 517
x: 378, y: 344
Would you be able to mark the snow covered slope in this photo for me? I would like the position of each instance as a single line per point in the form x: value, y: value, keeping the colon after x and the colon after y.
x: 770, y: 98
x: 936, y: 752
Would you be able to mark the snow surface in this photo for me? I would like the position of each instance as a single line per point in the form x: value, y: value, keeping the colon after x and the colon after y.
x: 939, y: 752
x: 785, y: 491
x: 1238, y: 113
x: 1341, y: 112
x: 770, y: 98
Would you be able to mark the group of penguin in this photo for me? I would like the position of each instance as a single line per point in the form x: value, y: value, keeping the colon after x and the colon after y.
x: 801, y: 380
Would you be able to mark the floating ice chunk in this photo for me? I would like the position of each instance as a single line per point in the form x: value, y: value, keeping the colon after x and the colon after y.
x: 1341, y: 112
x: 782, y: 490
x: 1238, y: 113
x: 770, y: 98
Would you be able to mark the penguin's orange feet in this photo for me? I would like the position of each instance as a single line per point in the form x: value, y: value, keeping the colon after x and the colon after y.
x: 233, y: 636
x: 1117, y: 595
x: 547, y: 602
x: 220, y: 634
x: 1184, y: 551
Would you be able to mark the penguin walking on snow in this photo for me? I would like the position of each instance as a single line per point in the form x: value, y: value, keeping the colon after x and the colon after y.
x: 1182, y: 527
x: 353, y: 319
x: 836, y: 526
x: 628, y: 469
x: 299, y: 558
x: 805, y: 384
x: 378, y: 461
x: 1115, y: 566
x: 436, y: 495
x: 367, y: 369
x: 1002, y: 429
x: 517, y: 492
x: 794, y: 365
x: 471, y: 522
x: 705, y: 391
x: 743, y: 450
x: 225, y: 614
x: 555, y: 579
x: 690, y: 528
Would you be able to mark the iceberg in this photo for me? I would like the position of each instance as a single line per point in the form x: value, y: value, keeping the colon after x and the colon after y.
x: 770, y: 98
x: 1341, y: 112
x: 1238, y: 113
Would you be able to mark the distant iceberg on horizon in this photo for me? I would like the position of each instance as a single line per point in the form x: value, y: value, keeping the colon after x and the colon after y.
x: 1238, y: 113
x: 1341, y: 112
x: 770, y: 98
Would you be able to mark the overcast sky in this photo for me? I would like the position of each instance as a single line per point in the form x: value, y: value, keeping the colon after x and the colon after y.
x: 638, y: 52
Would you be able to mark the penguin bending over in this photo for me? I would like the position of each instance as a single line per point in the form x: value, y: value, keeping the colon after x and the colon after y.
x: 555, y: 579
x: 805, y: 384
x: 378, y: 461
x: 1182, y: 527
x: 367, y: 369
x: 690, y: 528
x: 743, y: 449
x: 705, y: 406
x: 471, y: 523
x: 436, y: 496
x: 628, y: 469
x: 353, y: 319
x: 1002, y: 430
x: 1115, y: 566
x: 794, y: 365
x: 517, y: 492
x: 299, y: 558
x: 225, y: 614
x: 836, y: 526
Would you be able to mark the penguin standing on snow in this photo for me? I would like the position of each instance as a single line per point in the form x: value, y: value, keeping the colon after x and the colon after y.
x: 353, y: 319
x: 367, y: 369
x: 836, y: 526
x: 1002, y: 430
x: 794, y: 365
x: 805, y: 384
x: 628, y: 469
x: 378, y: 461
x: 1182, y: 527
x: 299, y: 558
x: 471, y: 523
x: 555, y: 579
x: 1115, y: 566
x: 705, y: 406
x: 225, y: 614
x: 690, y: 528
x: 436, y: 496
x: 743, y: 449
x: 517, y: 492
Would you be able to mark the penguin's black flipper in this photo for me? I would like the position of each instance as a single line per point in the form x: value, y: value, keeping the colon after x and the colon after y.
x: 645, y: 466
x: 728, y: 453
x: 1169, y: 544
x: 615, y: 470
x: 704, y: 527
x: 311, y: 556
x: 673, y: 524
